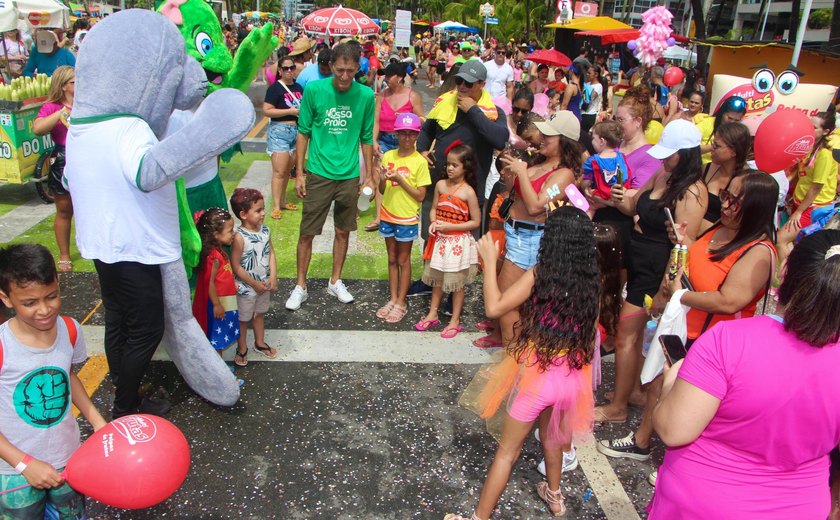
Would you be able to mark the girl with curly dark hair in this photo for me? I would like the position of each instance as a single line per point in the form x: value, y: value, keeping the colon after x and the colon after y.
x: 533, y: 189
x: 545, y: 372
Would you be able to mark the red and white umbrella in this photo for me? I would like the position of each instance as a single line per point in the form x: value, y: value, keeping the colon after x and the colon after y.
x: 338, y: 21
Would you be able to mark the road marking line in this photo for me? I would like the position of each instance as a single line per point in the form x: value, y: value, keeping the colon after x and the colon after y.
x: 605, y: 484
x: 257, y: 128
x: 346, y: 346
x: 96, y: 367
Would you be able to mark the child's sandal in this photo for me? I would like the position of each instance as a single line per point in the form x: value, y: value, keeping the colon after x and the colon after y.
x: 241, y: 355
x: 265, y: 350
x: 552, y: 498
x: 396, y: 314
x: 383, y: 311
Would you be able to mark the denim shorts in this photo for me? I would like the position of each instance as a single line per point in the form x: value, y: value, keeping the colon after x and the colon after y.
x: 400, y: 232
x: 388, y: 141
x: 281, y: 137
x: 522, y: 246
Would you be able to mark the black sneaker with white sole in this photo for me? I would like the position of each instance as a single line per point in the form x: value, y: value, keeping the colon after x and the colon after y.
x: 418, y: 288
x: 623, y: 448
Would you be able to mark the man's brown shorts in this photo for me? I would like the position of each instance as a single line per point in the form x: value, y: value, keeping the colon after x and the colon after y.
x: 320, y: 194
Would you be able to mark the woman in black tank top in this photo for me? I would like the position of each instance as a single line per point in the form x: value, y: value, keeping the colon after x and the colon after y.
x: 730, y: 147
x: 678, y: 187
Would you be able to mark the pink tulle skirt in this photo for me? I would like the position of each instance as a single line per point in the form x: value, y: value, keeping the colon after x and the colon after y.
x: 526, y: 392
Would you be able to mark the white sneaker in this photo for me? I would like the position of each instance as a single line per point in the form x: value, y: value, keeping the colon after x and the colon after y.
x: 298, y: 296
x: 339, y: 291
x: 570, y: 462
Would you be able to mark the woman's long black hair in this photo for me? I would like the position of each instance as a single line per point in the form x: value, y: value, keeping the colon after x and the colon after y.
x: 688, y: 171
x: 561, y: 313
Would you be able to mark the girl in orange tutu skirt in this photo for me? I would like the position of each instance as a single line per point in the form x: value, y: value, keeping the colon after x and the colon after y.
x: 545, y: 374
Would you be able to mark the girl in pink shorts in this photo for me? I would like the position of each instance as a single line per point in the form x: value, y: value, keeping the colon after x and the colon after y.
x: 545, y: 373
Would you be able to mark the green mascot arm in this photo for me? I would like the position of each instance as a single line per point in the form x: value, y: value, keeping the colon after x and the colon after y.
x: 252, y: 53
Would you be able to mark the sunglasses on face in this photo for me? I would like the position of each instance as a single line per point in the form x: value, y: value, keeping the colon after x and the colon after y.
x: 517, y: 110
x: 727, y: 199
x: 288, y: 68
x: 462, y: 81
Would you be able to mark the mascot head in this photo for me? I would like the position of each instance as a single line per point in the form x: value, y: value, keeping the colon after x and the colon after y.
x: 133, y: 62
x: 201, y: 31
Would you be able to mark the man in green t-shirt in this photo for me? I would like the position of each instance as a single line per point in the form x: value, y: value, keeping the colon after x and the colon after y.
x: 336, y: 116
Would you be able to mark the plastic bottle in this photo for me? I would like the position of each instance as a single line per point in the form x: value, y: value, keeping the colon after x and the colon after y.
x: 364, y: 198
x: 650, y: 332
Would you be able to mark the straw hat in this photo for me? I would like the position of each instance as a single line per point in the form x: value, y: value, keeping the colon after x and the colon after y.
x: 300, y: 46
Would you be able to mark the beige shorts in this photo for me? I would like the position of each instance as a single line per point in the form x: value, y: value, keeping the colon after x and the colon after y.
x: 249, y: 306
x: 320, y: 194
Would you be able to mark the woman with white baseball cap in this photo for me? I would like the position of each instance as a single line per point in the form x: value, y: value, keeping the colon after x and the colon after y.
x: 678, y: 187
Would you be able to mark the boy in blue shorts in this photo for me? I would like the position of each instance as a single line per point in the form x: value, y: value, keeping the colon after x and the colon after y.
x: 38, y: 432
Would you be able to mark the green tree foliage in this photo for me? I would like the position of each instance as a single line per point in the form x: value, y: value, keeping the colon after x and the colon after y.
x: 820, y: 19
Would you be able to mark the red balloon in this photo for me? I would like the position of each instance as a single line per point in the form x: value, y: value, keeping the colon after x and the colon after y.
x: 673, y: 76
x: 134, y: 462
x: 784, y: 137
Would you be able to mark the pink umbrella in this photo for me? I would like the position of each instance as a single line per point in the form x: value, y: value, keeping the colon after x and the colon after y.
x: 338, y: 21
x: 550, y: 57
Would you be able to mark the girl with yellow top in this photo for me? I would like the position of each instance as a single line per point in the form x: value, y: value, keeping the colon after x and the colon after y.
x: 816, y: 184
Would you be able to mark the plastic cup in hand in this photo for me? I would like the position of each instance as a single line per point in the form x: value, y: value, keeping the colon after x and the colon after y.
x: 364, y: 198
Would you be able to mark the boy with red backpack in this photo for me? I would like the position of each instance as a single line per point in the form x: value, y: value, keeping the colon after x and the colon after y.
x: 38, y: 432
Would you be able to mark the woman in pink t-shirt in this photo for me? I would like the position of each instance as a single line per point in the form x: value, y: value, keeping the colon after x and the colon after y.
x: 53, y: 119
x: 752, y: 413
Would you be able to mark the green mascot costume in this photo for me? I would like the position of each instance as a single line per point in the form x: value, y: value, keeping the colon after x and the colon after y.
x: 201, y: 187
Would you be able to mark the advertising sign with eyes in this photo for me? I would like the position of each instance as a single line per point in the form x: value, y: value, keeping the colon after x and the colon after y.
x: 767, y: 91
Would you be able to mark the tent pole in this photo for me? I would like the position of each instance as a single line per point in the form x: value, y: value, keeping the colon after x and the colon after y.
x: 800, y: 34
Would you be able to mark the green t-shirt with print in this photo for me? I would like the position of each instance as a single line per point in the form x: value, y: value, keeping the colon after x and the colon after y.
x: 336, y: 123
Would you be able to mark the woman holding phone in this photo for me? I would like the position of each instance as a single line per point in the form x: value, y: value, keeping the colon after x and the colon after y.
x: 751, y: 414
x: 678, y: 187
x: 729, y: 269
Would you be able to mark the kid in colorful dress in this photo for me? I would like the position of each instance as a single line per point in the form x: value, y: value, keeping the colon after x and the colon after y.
x: 403, y: 181
x: 451, y: 255
x: 214, y: 304
x: 545, y: 373
x: 255, y: 268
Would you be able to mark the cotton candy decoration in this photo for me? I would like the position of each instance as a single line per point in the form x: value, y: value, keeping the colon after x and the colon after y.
x: 654, y: 36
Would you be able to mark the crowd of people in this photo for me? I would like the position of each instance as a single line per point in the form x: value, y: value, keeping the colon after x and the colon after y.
x: 543, y: 180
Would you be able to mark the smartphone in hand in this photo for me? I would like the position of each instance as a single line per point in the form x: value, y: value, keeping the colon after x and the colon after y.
x: 673, y: 347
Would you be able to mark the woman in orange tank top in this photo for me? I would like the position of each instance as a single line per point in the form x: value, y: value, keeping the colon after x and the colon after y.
x: 729, y: 267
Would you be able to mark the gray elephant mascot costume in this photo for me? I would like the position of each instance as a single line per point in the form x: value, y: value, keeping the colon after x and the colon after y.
x: 131, y: 74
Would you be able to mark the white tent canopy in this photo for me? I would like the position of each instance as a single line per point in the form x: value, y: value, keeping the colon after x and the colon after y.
x: 680, y: 54
x: 450, y: 26
x: 37, y: 13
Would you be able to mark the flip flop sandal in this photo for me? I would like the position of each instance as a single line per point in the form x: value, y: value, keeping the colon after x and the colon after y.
x: 485, y: 325
x: 601, y: 417
x: 265, y: 350
x: 383, y: 311
x: 396, y: 314
x: 65, y: 266
x: 451, y: 332
x: 486, y: 342
x: 276, y: 214
x: 424, y: 325
x: 373, y: 226
x: 291, y: 207
x: 243, y: 356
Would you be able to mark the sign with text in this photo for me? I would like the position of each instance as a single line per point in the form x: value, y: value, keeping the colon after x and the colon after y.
x: 564, y: 11
x: 402, y: 29
x: 491, y: 21
x: 586, y: 9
